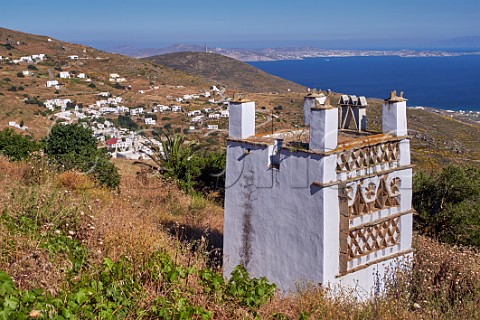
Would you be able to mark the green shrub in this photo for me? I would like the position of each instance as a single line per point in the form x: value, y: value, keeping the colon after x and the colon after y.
x: 15, y: 146
x: 192, y: 170
x: 125, y: 121
x: 106, y: 173
x: 250, y: 292
x: 448, y: 205
x: 73, y: 147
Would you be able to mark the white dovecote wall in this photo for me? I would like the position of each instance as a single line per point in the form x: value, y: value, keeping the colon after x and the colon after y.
x: 241, y: 123
x: 329, y: 215
x: 394, y: 115
x: 323, y: 128
x: 311, y: 100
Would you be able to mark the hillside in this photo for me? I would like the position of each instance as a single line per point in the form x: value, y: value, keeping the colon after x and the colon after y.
x: 15, y: 43
x: 437, y: 139
x: 143, y: 82
x: 144, y: 254
x: 232, y: 73
x: 72, y: 249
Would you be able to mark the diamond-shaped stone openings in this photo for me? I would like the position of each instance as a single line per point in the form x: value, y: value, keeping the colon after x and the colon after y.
x: 372, y: 238
x: 369, y: 156
x: 367, y: 197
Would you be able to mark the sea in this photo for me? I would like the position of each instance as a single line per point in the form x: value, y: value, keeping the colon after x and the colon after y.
x: 449, y: 83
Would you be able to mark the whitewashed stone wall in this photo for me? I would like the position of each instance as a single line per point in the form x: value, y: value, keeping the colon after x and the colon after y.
x: 330, y: 217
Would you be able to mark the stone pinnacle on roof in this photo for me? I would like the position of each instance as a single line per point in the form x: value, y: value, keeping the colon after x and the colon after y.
x: 394, y: 98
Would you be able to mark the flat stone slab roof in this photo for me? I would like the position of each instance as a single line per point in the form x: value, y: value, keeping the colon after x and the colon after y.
x: 299, y: 139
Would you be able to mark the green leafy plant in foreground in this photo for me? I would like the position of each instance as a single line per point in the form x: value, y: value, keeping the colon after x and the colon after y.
x: 246, y: 291
x: 116, y: 291
x: 155, y: 287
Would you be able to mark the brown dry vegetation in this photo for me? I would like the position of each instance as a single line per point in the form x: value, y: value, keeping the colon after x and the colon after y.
x: 151, y: 215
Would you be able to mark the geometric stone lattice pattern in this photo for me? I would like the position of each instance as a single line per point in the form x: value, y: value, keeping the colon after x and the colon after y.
x: 386, y: 196
x: 368, y: 156
x: 374, y: 237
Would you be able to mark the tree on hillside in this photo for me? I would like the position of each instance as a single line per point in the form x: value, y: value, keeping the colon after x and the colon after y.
x: 448, y: 204
x: 175, y: 160
x: 74, y: 147
x: 70, y: 141
x: 16, y: 146
x: 126, y: 122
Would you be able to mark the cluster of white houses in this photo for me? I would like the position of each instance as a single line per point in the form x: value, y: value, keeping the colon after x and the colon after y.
x: 207, y: 113
x: 115, y: 78
x: 329, y: 204
x: 109, y: 105
x: 25, y: 59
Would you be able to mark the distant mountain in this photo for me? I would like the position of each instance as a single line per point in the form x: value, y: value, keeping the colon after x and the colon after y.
x: 148, y: 52
x: 235, y: 53
x: 299, y: 53
x: 225, y: 71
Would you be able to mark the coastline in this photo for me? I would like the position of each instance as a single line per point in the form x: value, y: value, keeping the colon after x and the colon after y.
x: 444, y: 83
x: 280, y: 55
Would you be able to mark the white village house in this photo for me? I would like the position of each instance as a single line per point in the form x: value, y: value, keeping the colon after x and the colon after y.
x: 52, y: 103
x: 64, y: 75
x: 163, y: 108
x: 194, y: 113
x: 327, y: 205
x: 136, y: 111
x: 51, y: 83
x: 197, y: 119
x: 214, y: 116
x: 150, y: 121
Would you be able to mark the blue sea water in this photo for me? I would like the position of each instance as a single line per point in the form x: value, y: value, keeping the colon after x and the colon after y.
x: 437, y: 82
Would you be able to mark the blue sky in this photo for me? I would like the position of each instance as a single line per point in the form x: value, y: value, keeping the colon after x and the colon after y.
x: 246, y: 23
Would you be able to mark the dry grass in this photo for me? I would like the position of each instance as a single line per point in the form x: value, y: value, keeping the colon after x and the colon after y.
x: 74, y: 181
x: 443, y: 284
x: 151, y: 215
